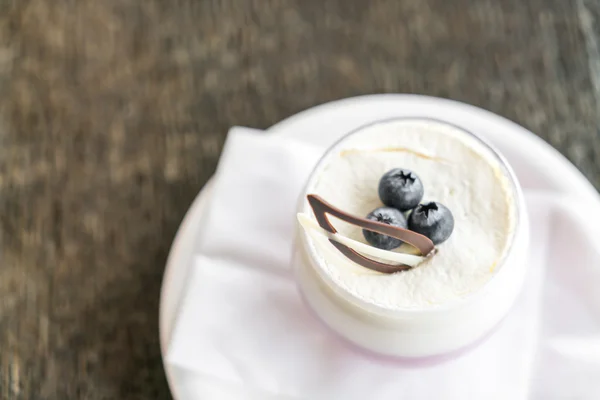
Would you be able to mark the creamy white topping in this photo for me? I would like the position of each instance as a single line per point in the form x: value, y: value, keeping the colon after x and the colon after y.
x: 457, y: 170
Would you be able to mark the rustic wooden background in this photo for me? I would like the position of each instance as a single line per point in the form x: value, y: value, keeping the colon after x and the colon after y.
x: 113, y: 114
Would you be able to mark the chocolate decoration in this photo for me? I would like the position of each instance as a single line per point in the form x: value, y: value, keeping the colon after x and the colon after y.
x: 321, y: 208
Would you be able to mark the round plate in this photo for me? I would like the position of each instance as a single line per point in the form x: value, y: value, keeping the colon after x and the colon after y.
x: 537, y: 165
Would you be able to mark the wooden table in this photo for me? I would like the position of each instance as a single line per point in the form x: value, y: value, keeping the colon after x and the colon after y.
x: 113, y: 114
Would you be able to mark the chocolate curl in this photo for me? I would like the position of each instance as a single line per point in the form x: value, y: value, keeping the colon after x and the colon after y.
x: 321, y: 208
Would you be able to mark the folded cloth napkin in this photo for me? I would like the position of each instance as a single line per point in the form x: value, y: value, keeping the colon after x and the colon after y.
x: 244, y: 333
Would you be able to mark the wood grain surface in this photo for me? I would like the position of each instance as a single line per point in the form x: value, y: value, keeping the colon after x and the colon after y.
x: 113, y: 114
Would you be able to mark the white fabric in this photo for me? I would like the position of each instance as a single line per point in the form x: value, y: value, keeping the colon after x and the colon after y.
x: 257, y: 184
x: 244, y: 332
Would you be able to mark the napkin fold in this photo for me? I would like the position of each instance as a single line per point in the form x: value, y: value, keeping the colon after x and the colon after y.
x: 244, y: 333
x: 257, y: 185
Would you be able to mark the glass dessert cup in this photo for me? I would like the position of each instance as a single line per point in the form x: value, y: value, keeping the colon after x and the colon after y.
x: 411, y: 332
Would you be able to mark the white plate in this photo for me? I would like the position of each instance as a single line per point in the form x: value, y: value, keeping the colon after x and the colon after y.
x: 537, y: 165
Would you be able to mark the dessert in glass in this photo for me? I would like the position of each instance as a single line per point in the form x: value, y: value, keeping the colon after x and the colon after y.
x: 412, y: 238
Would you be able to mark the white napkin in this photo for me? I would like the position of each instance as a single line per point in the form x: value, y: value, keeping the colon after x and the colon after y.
x: 257, y: 186
x: 244, y: 333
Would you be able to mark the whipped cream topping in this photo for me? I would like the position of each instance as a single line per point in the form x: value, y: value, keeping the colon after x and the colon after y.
x: 457, y: 170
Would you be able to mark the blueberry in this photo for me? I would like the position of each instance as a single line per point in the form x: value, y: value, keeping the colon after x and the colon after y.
x: 390, y: 216
x: 400, y: 188
x: 433, y: 220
